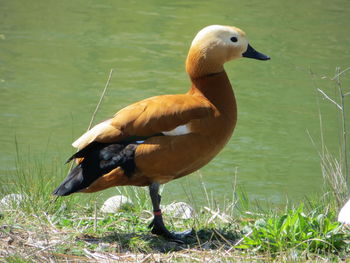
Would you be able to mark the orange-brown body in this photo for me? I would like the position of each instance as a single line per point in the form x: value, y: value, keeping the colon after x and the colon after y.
x: 164, y: 158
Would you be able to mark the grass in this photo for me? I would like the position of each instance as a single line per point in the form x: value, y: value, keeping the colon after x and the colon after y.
x: 335, y: 168
x: 40, y: 229
x: 44, y: 229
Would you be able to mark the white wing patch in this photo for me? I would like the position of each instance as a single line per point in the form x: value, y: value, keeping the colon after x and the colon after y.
x: 97, y: 130
x: 179, y: 130
x: 90, y: 135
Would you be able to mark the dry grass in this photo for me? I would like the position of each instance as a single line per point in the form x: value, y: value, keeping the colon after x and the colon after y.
x: 53, y: 245
x: 335, y: 168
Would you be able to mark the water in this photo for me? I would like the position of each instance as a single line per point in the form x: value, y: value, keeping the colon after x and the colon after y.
x: 55, y: 57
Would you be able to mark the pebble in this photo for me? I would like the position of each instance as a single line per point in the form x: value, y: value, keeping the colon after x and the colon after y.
x: 102, y: 247
x: 115, y: 203
x: 11, y: 201
x: 180, y: 210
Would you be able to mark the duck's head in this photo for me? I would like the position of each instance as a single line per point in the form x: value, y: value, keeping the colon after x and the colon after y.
x: 215, y: 45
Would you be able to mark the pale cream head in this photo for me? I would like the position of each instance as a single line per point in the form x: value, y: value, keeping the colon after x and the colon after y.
x: 223, y: 42
x: 212, y: 47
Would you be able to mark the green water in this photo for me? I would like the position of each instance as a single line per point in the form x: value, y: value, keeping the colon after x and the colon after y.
x: 55, y: 57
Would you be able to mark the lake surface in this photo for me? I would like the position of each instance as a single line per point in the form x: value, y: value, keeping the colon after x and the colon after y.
x: 55, y: 57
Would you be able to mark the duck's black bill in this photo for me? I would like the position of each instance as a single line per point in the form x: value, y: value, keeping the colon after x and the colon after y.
x: 252, y: 53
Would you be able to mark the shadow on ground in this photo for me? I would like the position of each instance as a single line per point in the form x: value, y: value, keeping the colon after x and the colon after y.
x: 207, y: 239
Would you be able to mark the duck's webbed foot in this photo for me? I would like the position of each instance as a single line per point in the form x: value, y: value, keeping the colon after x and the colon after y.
x: 158, y: 228
x: 157, y: 225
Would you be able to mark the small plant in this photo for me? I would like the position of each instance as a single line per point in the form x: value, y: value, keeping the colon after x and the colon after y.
x: 316, y: 233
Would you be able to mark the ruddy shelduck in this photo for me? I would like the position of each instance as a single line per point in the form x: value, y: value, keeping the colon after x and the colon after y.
x: 162, y: 138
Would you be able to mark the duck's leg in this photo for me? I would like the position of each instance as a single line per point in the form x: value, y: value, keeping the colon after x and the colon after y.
x: 157, y: 224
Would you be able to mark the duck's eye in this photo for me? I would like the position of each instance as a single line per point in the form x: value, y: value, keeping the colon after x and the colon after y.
x: 234, y: 39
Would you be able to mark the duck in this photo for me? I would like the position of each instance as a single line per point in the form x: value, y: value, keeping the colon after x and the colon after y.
x: 166, y: 137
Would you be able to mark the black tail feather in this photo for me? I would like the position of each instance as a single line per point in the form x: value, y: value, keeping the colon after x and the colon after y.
x: 99, y: 159
x: 71, y: 183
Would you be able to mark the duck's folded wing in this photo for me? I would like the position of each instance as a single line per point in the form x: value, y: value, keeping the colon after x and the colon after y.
x: 148, y: 117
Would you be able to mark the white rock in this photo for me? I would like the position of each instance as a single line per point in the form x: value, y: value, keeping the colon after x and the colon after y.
x: 114, y: 203
x: 179, y: 210
x: 344, y: 214
x: 11, y: 200
x: 102, y: 247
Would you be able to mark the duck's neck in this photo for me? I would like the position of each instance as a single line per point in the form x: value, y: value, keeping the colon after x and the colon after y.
x: 199, y: 64
x: 210, y: 80
x: 217, y: 89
